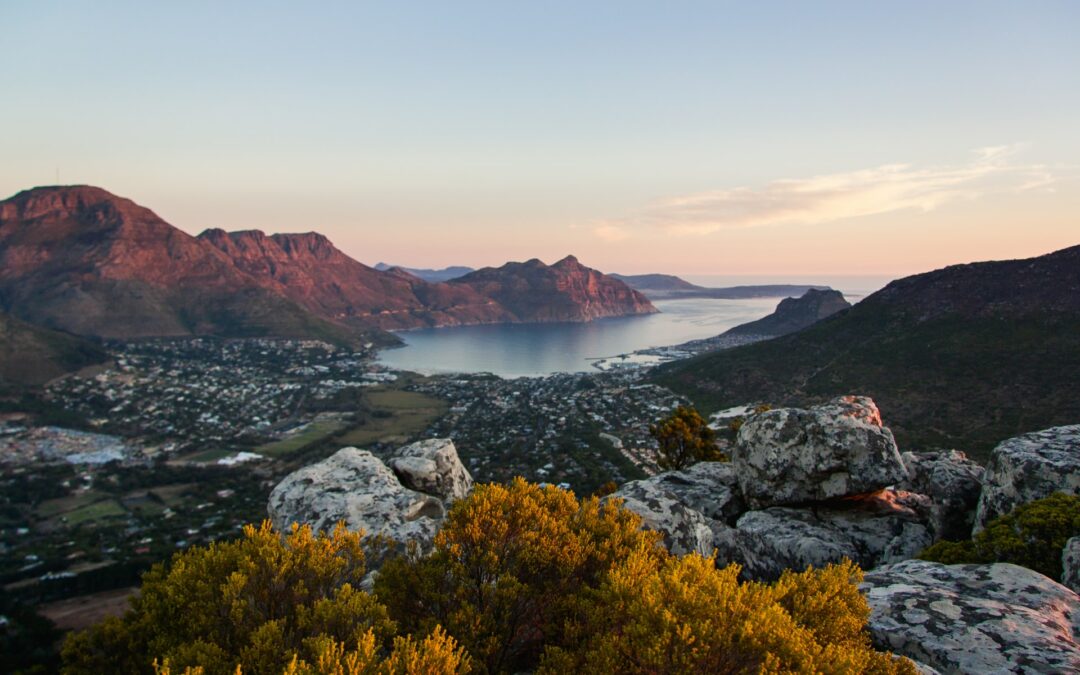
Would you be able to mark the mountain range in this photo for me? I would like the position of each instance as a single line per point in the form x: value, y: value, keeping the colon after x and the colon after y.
x: 671, y: 287
x: 87, y: 262
x: 434, y: 276
x: 961, y: 357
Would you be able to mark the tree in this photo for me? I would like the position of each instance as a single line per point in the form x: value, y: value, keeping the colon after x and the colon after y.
x: 685, y: 438
x: 509, y: 568
x: 262, y: 602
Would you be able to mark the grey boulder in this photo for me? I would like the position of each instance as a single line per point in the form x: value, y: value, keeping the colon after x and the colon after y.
x: 432, y: 466
x: 952, y: 482
x: 997, y: 618
x: 871, y: 530
x: 793, y: 456
x: 710, y: 488
x: 1029, y: 467
x: 685, y: 530
x: 354, y: 486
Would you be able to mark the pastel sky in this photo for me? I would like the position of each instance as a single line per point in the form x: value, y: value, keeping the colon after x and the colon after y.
x: 787, y: 138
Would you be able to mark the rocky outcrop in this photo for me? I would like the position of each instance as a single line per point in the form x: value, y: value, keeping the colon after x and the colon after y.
x: 355, y: 487
x: 710, y: 488
x: 795, y: 314
x: 997, y: 618
x: 1027, y: 468
x: 952, y: 482
x: 1070, y: 564
x: 872, y: 530
x: 792, y: 456
x: 685, y: 530
x: 432, y: 466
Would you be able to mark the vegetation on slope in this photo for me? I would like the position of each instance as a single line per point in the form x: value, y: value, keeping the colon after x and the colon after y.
x: 1032, y: 535
x: 32, y: 355
x: 521, y: 578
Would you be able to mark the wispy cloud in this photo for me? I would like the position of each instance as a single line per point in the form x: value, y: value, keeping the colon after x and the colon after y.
x: 831, y: 197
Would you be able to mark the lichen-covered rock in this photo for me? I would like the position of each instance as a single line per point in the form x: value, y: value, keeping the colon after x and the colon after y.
x: 354, y: 486
x: 1027, y: 468
x: 1070, y: 564
x: 792, y: 456
x: 952, y: 482
x: 432, y: 466
x: 997, y: 618
x: 711, y: 488
x: 871, y: 530
x: 685, y: 530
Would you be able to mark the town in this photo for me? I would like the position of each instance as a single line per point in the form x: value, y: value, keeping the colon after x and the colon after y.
x: 179, y: 442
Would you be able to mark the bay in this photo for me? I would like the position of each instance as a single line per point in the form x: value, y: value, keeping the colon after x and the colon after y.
x: 526, y: 350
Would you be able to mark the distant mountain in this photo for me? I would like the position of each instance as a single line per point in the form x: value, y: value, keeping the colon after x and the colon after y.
x: 960, y: 357
x: 312, y: 272
x: 657, y: 282
x: 82, y: 260
x: 669, y: 287
x: 88, y: 262
x: 32, y: 355
x: 795, y: 314
x: 564, y: 291
x: 432, y: 276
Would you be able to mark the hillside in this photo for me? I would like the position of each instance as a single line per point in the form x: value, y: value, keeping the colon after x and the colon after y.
x: 657, y: 282
x: 795, y: 314
x: 31, y: 355
x: 960, y: 357
x: 88, y: 262
x: 564, y: 291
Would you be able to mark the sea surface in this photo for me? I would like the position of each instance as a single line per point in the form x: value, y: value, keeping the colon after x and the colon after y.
x: 526, y: 350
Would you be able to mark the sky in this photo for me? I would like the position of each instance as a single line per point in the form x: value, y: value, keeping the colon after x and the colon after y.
x: 765, y: 138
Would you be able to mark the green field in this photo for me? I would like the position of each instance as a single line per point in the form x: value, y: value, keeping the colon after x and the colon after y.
x: 313, y: 433
x: 207, y: 456
x: 106, y: 508
x: 54, y: 507
x: 403, y: 414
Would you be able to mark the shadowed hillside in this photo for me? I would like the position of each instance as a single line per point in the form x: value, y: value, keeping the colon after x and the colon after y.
x: 960, y: 357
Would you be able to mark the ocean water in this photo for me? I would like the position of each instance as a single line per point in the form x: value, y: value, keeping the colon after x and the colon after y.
x: 517, y: 350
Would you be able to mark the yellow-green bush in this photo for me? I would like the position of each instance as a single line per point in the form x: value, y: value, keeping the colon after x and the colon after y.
x: 521, y: 578
x: 261, y: 601
x: 683, y: 615
x: 1031, y: 535
x: 508, y: 567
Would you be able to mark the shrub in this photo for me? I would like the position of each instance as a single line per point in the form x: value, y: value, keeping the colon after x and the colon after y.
x: 683, y: 615
x: 509, y: 567
x: 1032, y: 535
x: 262, y: 601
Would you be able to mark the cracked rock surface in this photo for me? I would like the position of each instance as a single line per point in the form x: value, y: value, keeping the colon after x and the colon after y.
x: 1029, y: 467
x: 354, y: 486
x: 790, y: 455
x: 998, y: 618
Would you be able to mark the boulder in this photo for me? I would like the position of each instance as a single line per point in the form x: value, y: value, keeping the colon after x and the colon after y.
x: 684, y: 529
x: 998, y: 618
x: 1070, y: 564
x: 710, y: 488
x: 354, y: 486
x: 1027, y: 468
x: 871, y: 530
x: 432, y: 466
x: 952, y: 482
x: 792, y: 456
